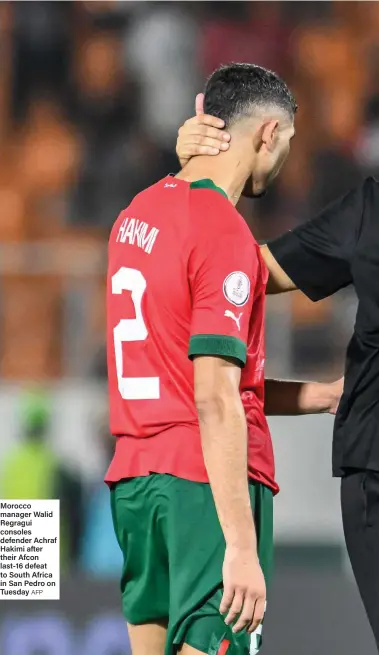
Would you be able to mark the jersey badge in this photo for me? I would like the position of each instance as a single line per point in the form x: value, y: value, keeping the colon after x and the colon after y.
x: 237, y: 288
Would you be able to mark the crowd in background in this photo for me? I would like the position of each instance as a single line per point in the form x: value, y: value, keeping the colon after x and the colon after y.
x: 91, y: 98
x: 111, y: 82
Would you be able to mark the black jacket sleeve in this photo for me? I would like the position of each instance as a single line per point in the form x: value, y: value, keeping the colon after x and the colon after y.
x: 318, y: 255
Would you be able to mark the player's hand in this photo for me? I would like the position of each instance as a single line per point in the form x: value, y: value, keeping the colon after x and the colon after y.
x: 201, y: 135
x: 244, y: 596
x: 335, y: 391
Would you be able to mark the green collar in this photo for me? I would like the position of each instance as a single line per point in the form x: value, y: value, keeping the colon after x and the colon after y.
x: 207, y: 184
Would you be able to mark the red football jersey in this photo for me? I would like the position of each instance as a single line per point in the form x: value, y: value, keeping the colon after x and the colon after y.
x: 185, y: 278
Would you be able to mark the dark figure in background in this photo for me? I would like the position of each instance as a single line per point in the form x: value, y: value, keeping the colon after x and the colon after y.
x: 118, y: 159
x: 42, y: 46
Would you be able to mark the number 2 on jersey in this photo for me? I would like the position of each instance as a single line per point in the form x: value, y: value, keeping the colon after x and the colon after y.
x: 132, y: 329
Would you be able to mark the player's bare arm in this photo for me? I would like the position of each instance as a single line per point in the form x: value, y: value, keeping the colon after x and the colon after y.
x: 224, y: 441
x: 293, y: 398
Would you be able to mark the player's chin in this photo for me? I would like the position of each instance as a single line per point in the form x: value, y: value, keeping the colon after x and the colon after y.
x: 254, y: 190
x: 254, y: 193
x: 259, y: 194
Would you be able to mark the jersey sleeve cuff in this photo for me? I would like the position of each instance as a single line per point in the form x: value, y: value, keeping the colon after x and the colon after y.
x: 217, y: 345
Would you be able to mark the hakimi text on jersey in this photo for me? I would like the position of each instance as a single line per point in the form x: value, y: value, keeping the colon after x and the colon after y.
x: 138, y: 233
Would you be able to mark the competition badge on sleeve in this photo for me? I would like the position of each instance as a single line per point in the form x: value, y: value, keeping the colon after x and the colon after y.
x: 237, y: 288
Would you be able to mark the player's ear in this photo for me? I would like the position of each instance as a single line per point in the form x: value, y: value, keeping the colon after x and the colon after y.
x: 269, y: 134
x: 258, y: 139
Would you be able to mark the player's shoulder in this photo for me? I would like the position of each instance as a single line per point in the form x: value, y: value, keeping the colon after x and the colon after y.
x: 159, y: 190
x: 148, y: 200
x: 210, y: 209
x: 204, y: 194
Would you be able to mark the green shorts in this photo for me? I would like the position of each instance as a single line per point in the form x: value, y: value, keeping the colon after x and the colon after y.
x: 173, y: 548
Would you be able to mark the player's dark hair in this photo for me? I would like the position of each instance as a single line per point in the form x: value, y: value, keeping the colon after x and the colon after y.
x: 233, y: 92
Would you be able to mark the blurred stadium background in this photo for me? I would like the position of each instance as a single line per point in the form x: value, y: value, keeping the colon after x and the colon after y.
x: 91, y: 97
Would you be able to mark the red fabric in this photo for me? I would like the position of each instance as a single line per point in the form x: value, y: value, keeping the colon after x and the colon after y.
x: 223, y: 647
x: 223, y: 245
x: 169, y: 254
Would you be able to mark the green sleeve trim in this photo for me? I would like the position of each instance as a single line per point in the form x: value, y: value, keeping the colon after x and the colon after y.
x: 208, y: 184
x: 217, y: 345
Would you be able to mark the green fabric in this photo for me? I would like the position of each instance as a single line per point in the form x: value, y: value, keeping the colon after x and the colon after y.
x: 173, y: 550
x: 208, y: 184
x: 215, y: 344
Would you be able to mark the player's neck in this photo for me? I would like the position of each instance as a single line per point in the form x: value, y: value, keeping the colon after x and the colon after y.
x: 227, y: 171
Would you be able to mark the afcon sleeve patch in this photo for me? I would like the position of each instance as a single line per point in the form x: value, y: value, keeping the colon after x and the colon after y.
x: 237, y: 288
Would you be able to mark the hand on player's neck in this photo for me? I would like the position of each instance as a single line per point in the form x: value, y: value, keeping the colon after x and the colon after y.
x: 229, y: 171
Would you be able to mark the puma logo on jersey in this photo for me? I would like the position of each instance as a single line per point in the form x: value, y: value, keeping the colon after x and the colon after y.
x: 170, y: 186
x: 234, y: 318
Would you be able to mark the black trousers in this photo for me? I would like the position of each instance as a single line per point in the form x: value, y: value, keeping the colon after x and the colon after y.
x: 360, y: 515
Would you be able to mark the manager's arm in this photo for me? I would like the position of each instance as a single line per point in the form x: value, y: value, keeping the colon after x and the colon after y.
x: 284, y: 398
x: 317, y: 256
x: 278, y: 280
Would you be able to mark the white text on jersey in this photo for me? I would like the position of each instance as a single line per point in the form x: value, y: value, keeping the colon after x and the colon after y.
x: 137, y: 233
